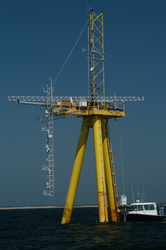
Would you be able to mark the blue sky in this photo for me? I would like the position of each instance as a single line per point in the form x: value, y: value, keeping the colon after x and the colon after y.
x: 36, y: 38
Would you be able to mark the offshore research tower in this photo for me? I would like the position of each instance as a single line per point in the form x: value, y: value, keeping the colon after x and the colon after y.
x: 95, y: 109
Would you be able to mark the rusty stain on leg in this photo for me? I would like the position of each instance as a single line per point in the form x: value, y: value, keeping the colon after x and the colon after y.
x: 102, y: 196
x: 66, y: 215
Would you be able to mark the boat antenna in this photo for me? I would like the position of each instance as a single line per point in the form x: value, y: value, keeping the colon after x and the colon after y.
x: 139, y: 194
x: 132, y: 191
x: 138, y: 189
x: 143, y: 194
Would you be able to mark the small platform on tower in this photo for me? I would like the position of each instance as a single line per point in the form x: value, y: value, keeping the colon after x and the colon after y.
x: 88, y: 107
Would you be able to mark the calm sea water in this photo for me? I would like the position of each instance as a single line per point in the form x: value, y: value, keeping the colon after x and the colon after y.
x: 42, y: 229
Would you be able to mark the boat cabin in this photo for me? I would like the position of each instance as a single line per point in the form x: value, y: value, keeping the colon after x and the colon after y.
x: 149, y: 208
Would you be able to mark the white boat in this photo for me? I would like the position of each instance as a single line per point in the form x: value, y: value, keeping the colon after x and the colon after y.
x: 144, y: 211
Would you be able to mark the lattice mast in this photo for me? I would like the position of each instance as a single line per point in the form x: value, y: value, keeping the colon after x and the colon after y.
x: 96, y: 45
x: 96, y: 55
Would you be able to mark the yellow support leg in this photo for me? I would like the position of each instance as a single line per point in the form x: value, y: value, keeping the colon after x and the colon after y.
x: 75, y: 173
x: 108, y: 173
x: 100, y: 173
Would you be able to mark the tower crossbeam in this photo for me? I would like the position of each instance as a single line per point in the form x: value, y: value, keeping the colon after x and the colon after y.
x: 41, y: 100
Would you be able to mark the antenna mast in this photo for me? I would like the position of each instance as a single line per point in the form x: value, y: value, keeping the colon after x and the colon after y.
x: 49, y: 143
x: 96, y: 44
x: 88, y: 29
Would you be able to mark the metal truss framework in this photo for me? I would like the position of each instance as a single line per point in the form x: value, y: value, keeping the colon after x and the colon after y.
x: 98, y: 109
x: 96, y: 55
x: 41, y: 100
x: 50, y: 143
x: 59, y: 107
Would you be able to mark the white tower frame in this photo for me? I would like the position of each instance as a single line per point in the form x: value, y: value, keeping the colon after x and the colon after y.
x: 49, y: 143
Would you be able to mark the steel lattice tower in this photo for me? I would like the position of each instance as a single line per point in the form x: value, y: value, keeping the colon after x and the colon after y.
x: 98, y: 120
x: 95, y: 109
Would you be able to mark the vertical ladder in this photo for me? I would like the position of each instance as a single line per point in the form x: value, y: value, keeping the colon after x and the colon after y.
x: 49, y: 143
x: 112, y: 166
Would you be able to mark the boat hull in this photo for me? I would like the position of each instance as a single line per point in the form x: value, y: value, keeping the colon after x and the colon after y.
x: 142, y: 217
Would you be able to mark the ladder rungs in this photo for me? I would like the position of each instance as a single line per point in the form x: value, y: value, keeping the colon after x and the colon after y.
x: 112, y: 165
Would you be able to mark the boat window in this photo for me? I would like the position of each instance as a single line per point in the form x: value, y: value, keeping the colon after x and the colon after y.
x: 132, y: 207
x: 140, y: 207
x: 149, y: 207
x: 135, y: 207
x: 152, y: 207
x: 146, y: 207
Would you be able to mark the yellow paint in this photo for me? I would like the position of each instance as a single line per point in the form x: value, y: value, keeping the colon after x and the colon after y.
x: 75, y: 173
x: 108, y: 173
x: 95, y: 112
x: 100, y: 173
x: 103, y: 108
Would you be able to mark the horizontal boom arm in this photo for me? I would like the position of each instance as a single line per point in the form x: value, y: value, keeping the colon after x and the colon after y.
x: 35, y: 100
